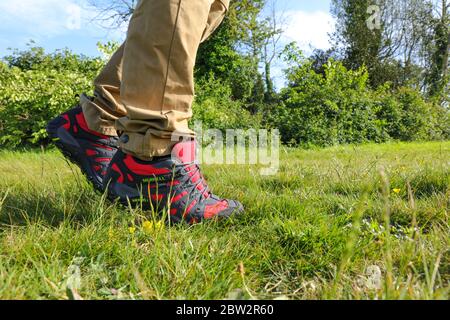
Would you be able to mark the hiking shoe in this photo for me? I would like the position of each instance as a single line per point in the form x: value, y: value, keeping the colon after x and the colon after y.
x: 173, y: 184
x: 89, y: 150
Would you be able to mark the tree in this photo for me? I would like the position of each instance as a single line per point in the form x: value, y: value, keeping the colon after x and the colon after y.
x: 229, y: 56
x: 252, y: 34
x: 438, y: 77
x: 357, y: 43
x: 113, y: 14
x: 273, y: 25
x: 396, y: 49
x: 260, y: 28
x: 243, y: 49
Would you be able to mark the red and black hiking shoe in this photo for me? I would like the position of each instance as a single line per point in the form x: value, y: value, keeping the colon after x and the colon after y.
x: 173, y: 184
x: 88, y: 149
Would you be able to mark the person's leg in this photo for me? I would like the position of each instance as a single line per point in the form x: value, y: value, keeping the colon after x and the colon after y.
x: 216, y: 15
x: 102, y: 111
x: 157, y: 86
x: 150, y: 170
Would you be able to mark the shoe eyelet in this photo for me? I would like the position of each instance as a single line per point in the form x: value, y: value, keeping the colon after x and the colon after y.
x: 125, y: 138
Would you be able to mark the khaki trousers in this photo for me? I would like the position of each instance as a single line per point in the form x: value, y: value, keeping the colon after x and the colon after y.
x: 147, y: 88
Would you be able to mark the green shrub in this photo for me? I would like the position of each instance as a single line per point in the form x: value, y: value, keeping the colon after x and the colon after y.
x: 216, y: 109
x: 421, y: 120
x: 326, y: 110
x: 35, y: 87
x: 338, y: 107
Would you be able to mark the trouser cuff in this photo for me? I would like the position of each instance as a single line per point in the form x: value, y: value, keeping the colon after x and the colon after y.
x: 96, y: 118
x: 146, y: 146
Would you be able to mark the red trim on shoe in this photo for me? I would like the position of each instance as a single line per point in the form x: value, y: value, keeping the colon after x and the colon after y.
x: 116, y: 169
x: 178, y: 197
x: 157, y: 197
x: 193, y: 203
x: 143, y: 169
x: 83, y: 124
x: 184, y: 151
x: 173, y: 183
x: 67, y: 124
x: 195, y: 177
x: 91, y: 153
x: 212, y: 210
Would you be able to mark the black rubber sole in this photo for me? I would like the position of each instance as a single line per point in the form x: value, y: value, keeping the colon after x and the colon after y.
x: 72, y: 151
x: 114, y: 189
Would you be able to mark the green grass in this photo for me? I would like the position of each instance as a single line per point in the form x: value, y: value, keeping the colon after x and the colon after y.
x: 329, y: 225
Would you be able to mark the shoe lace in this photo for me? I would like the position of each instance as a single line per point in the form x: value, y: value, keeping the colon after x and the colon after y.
x: 193, y: 170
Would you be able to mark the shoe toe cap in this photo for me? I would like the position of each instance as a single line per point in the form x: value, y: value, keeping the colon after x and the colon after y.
x: 235, y: 208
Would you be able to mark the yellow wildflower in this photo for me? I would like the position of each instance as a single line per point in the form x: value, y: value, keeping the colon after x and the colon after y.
x: 396, y: 190
x: 150, y: 226
x: 132, y: 230
x: 147, y: 226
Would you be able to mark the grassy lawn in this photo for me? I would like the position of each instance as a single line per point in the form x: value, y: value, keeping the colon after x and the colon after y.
x: 316, y: 230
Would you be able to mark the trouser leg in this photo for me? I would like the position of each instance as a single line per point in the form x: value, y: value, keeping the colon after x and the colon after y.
x: 102, y: 111
x: 157, y: 87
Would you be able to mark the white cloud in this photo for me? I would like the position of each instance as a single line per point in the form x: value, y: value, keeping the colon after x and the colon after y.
x: 309, y: 29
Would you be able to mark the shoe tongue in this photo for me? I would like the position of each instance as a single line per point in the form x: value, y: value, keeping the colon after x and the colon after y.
x: 184, y: 152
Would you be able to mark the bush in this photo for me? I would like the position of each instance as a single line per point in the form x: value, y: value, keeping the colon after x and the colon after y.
x: 325, y: 110
x: 338, y: 107
x: 216, y: 109
x: 35, y: 87
x: 407, y: 116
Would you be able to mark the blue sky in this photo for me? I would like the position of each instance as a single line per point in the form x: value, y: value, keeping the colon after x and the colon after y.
x: 306, y: 5
x: 54, y: 24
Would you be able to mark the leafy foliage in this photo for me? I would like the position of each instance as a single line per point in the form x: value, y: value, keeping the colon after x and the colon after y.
x: 338, y: 107
x: 215, y: 108
x: 239, y: 50
x: 405, y: 42
x: 35, y: 87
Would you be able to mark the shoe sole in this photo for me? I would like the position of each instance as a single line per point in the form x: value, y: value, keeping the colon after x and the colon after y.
x: 115, y: 189
x: 72, y: 150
